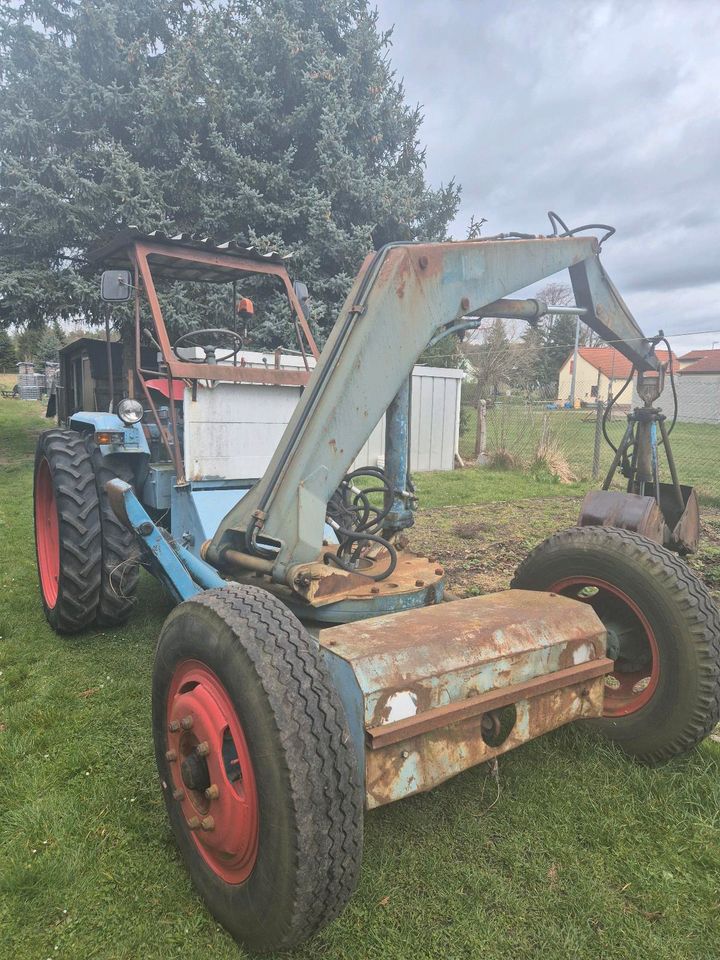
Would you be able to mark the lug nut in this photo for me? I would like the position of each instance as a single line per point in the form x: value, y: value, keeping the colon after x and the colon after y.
x: 174, y: 726
x: 193, y: 823
x: 186, y: 722
x: 202, y: 749
x: 178, y: 794
x: 208, y: 823
x: 170, y: 756
x: 212, y: 792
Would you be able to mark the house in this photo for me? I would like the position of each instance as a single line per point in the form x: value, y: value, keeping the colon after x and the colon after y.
x: 601, y: 373
x: 698, y: 387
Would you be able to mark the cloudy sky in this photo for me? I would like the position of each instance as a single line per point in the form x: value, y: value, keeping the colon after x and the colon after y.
x: 602, y: 111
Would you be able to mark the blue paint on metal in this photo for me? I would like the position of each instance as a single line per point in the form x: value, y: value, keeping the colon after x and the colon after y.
x: 654, y: 450
x: 397, y: 426
x: 157, y: 489
x: 164, y: 562
x: 352, y: 610
x: 202, y: 572
x: 350, y: 693
x: 134, y: 441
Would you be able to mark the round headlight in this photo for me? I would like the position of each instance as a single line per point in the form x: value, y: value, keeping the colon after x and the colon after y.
x: 130, y: 411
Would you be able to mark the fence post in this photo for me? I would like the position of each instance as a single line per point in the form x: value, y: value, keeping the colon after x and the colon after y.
x: 481, y: 432
x: 598, y: 440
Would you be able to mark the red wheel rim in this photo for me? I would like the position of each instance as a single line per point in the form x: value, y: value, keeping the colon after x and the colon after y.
x: 631, y: 685
x: 212, y: 775
x: 47, y: 535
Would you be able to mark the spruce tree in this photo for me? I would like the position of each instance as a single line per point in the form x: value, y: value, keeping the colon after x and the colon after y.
x: 280, y: 121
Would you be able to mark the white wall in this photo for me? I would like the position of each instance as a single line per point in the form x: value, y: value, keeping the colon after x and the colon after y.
x: 698, y: 398
x: 434, y: 427
x: 232, y: 430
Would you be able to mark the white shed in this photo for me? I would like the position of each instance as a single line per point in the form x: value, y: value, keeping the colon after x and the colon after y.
x: 232, y: 440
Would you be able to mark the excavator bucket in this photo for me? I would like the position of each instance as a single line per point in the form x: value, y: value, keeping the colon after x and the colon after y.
x: 663, y: 521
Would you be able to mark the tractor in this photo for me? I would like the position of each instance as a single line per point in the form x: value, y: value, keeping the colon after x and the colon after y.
x: 314, y: 666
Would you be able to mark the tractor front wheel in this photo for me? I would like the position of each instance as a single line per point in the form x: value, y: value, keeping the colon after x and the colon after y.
x: 663, y: 696
x: 260, y: 778
x: 67, y: 530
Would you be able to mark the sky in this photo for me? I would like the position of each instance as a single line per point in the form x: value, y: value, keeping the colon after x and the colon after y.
x: 602, y: 111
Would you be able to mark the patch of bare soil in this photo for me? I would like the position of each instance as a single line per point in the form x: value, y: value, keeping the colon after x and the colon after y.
x: 481, y: 545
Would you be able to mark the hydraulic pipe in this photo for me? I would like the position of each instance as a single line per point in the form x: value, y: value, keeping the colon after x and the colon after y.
x: 397, y: 444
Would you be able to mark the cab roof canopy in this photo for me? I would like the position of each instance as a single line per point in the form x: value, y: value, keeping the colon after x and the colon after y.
x: 116, y: 253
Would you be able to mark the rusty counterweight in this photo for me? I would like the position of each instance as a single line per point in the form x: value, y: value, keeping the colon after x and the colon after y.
x: 430, y: 678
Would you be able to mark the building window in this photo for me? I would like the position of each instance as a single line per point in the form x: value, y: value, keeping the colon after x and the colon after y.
x: 594, y: 390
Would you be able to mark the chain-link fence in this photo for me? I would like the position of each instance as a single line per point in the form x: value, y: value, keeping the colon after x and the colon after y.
x: 569, y: 442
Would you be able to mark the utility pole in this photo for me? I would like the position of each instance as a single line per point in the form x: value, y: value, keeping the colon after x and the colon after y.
x: 575, y: 362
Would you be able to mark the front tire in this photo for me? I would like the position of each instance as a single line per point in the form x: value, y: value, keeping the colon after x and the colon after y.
x: 120, y: 569
x: 67, y: 531
x: 260, y: 778
x: 663, y: 697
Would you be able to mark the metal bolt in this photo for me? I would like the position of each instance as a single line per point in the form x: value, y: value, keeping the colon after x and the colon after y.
x: 193, y: 823
x: 207, y: 823
x: 405, y: 754
x: 374, y: 589
x: 212, y: 792
x: 174, y: 726
x: 186, y: 722
x: 145, y: 529
x: 170, y: 756
x: 202, y: 749
x: 438, y: 571
x: 419, y: 583
x: 178, y: 794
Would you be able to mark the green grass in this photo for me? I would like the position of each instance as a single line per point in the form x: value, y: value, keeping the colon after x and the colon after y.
x: 518, y: 429
x: 582, y: 854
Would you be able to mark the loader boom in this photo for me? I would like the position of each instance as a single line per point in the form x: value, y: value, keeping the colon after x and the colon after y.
x: 404, y: 296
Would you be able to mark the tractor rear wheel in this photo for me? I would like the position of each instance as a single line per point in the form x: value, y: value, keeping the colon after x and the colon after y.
x: 67, y: 530
x: 261, y: 781
x: 663, y: 697
x: 120, y: 569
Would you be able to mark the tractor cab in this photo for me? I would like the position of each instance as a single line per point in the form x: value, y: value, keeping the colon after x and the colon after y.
x: 192, y: 412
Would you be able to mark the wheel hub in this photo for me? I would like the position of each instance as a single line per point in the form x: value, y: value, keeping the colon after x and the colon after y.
x: 211, y: 772
x: 631, y: 642
x: 195, y: 773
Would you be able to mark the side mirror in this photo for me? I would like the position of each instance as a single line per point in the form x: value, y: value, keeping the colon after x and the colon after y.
x: 115, y: 286
x: 303, y: 295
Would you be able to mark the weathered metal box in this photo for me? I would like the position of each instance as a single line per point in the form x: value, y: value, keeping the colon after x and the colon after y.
x: 430, y: 684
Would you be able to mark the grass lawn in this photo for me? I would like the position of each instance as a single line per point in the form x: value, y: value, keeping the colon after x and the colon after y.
x: 519, y: 428
x: 579, y: 855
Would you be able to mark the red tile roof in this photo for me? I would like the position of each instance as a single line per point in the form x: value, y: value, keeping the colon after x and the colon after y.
x: 708, y: 362
x: 613, y: 364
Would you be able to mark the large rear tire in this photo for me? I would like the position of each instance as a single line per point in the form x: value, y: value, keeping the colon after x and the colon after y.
x: 260, y: 778
x: 663, y: 697
x: 67, y: 531
x: 120, y: 569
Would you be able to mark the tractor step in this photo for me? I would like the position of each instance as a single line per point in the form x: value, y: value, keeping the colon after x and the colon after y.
x: 432, y: 692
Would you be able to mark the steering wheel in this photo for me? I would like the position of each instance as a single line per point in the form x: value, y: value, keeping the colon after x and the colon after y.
x: 209, y: 341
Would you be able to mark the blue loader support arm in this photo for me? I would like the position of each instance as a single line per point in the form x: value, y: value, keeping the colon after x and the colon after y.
x: 182, y: 574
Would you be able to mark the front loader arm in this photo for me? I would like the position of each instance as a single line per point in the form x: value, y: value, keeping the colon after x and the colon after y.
x: 403, y: 296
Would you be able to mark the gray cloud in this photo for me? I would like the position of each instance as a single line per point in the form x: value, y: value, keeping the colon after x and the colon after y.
x: 600, y: 110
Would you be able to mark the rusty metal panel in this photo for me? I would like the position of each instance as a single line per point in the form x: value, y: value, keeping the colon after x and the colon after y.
x: 429, y: 677
x: 417, y: 765
x: 628, y: 511
x: 414, y: 661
